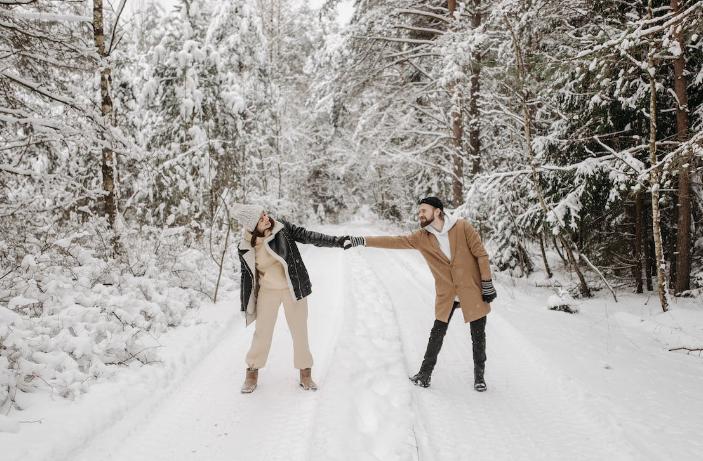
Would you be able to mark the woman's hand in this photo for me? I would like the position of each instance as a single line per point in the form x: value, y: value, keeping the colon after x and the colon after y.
x: 348, y: 242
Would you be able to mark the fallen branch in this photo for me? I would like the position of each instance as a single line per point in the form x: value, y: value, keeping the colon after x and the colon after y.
x: 600, y: 274
x: 136, y: 356
x: 687, y: 349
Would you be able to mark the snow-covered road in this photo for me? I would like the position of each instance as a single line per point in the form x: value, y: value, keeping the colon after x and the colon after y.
x: 370, y: 315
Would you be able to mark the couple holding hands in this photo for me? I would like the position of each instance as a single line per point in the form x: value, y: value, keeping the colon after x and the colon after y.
x: 273, y: 273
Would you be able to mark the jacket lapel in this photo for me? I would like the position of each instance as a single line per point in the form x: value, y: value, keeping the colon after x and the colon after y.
x: 247, y: 252
x: 453, y: 235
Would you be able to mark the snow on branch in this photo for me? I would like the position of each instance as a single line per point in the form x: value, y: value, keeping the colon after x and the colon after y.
x: 418, y: 160
x: 625, y: 156
x: 570, y: 204
x: 638, y: 34
x: 48, y: 60
x: 87, y: 111
x: 583, y: 168
x: 17, y: 171
x: 37, y: 87
x: 420, y: 29
x: 39, y: 124
x: 410, y: 51
x: 693, y: 145
x: 120, y: 9
x: 425, y: 13
x: 50, y: 17
x: 395, y: 39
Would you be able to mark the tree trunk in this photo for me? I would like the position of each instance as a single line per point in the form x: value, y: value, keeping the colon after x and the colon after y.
x: 650, y: 263
x: 547, y: 269
x: 457, y: 133
x: 654, y: 176
x: 670, y: 244
x: 474, y: 90
x: 458, y: 160
x: 522, y: 72
x: 683, y: 233
x: 583, y: 286
x: 556, y: 247
x: 637, y: 242
x: 108, y: 156
x: 525, y: 262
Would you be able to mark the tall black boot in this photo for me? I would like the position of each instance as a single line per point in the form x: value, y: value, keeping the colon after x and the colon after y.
x: 479, y: 382
x: 478, y: 342
x: 434, y: 345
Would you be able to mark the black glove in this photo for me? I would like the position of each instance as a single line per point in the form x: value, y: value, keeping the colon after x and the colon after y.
x: 351, y: 242
x: 488, y: 292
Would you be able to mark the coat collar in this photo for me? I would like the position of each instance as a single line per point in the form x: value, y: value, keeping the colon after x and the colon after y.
x: 449, y: 222
x: 450, y: 228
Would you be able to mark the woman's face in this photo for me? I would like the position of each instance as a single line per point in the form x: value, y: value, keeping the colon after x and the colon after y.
x: 264, y: 223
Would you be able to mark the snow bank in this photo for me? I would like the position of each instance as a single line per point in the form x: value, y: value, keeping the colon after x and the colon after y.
x: 74, y: 317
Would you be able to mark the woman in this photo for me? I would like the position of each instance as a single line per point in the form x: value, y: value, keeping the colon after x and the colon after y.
x: 273, y: 273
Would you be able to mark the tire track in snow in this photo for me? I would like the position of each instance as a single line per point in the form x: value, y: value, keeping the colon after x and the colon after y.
x: 367, y: 415
x: 528, y: 413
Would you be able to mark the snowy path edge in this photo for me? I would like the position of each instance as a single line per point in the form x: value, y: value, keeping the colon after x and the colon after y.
x: 72, y: 425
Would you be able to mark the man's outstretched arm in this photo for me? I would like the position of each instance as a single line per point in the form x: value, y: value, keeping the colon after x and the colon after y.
x: 399, y: 242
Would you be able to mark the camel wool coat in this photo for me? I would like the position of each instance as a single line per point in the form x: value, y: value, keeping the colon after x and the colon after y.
x: 459, y: 277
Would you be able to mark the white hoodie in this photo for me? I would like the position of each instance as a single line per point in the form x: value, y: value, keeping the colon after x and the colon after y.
x: 443, y: 235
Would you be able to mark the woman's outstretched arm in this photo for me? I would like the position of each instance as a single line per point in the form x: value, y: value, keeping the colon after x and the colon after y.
x: 302, y: 235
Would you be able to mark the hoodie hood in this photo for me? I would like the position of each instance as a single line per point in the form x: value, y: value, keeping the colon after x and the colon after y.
x: 449, y: 222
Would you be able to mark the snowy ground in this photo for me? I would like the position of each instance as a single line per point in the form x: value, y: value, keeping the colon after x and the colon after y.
x: 600, y: 384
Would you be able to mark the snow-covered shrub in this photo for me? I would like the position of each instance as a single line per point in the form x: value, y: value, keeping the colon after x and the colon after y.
x: 696, y: 283
x: 69, y: 315
x: 504, y: 225
x: 562, y: 301
x: 697, y: 268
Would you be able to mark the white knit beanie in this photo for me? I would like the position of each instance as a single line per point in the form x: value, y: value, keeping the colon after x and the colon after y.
x: 247, y: 215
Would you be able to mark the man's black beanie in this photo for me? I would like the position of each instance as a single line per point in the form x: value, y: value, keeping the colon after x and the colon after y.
x: 432, y: 201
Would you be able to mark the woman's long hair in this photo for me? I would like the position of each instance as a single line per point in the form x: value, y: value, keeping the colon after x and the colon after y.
x: 256, y: 234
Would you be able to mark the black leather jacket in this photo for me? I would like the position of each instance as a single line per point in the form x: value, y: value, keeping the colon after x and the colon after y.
x: 284, y: 245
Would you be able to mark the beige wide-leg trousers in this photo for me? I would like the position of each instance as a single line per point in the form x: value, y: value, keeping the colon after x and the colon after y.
x: 296, y: 313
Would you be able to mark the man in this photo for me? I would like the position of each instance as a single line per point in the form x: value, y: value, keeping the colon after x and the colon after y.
x: 459, y: 264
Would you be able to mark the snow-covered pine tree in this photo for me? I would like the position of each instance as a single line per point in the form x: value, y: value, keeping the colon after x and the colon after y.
x: 392, y: 99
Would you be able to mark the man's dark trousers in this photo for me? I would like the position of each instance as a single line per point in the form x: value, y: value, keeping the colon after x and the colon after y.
x: 434, y: 345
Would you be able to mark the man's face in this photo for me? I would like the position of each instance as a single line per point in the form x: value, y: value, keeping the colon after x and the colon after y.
x: 425, y: 214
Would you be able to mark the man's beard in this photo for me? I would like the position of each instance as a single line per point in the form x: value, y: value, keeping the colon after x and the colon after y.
x: 424, y: 222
